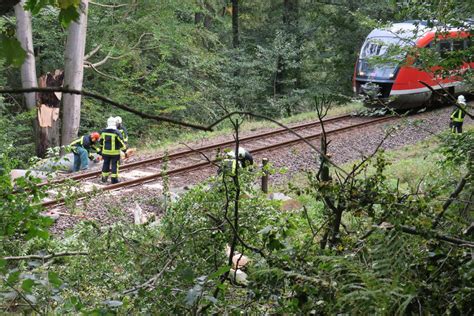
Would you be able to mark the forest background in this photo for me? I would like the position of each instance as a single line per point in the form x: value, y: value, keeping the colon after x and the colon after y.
x: 182, y: 59
x: 364, y: 243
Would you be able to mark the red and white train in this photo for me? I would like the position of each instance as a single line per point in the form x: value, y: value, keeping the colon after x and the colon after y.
x: 396, y: 82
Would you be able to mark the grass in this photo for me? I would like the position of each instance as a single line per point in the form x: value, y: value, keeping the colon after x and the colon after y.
x: 225, y: 128
x: 408, y: 165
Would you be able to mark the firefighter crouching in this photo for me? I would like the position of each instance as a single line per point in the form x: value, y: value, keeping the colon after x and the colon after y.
x: 457, y: 117
x: 111, y: 144
x: 229, y: 164
x: 81, y: 148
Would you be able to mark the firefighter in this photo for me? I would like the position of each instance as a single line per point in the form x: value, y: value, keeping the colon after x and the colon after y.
x: 121, y: 128
x: 229, y: 164
x: 457, y: 116
x: 111, y: 144
x: 81, y: 148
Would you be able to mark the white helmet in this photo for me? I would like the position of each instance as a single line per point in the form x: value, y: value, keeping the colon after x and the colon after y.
x: 461, y: 99
x: 111, y: 123
x: 242, y: 151
x: 118, y: 119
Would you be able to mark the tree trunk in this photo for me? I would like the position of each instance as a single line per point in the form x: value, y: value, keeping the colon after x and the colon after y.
x: 235, y: 23
x: 49, y: 127
x: 73, y: 75
x: 28, y: 69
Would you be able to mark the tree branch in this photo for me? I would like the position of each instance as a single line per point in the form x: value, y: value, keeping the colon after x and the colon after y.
x: 451, y: 198
x: 92, y: 52
x: 151, y: 282
x: 158, y: 118
x: 88, y: 64
x: 112, y: 6
x: 436, y: 235
x: 31, y: 304
x: 47, y: 257
x: 92, y: 66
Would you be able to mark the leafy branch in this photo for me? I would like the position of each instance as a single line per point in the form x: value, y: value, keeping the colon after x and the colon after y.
x: 47, y: 257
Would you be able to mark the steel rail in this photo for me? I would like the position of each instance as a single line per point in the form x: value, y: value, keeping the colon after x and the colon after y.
x: 152, y: 177
x: 183, y: 153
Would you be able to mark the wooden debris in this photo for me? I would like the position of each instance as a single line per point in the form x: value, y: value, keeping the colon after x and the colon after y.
x: 238, y: 259
x: 138, y: 215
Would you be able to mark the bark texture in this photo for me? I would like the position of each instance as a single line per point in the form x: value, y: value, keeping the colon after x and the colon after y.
x: 49, y: 132
x: 235, y: 23
x: 28, y: 69
x: 73, y: 75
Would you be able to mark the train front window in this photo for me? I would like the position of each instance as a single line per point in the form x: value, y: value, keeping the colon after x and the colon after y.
x: 444, y: 48
x: 380, y: 57
x: 382, y: 47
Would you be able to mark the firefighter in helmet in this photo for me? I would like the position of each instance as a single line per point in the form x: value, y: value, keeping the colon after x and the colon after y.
x: 229, y: 164
x: 457, y: 116
x: 122, y: 129
x: 81, y: 148
x: 112, y: 143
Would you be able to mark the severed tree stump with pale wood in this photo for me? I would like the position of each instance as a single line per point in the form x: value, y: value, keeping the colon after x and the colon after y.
x: 48, y: 105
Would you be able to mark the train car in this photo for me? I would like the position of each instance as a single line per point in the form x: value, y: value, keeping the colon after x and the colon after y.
x: 387, y: 78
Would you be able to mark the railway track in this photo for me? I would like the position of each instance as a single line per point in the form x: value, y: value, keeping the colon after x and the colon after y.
x: 148, y: 170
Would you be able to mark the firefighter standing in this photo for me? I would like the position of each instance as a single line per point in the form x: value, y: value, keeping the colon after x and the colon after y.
x: 121, y: 128
x: 111, y: 145
x: 81, y: 148
x: 457, y: 117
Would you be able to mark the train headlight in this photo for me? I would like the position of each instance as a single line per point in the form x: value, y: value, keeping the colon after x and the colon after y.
x: 361, y: 73
x: 391, y: 75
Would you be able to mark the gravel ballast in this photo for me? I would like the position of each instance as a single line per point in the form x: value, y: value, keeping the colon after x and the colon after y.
x: 344, y: 147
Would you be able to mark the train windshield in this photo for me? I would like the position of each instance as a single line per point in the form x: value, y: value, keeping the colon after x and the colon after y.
x: 383, y: 47
x: 380, y: 57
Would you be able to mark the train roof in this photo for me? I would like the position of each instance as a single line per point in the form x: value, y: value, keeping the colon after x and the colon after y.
x: 412, y: 30
x: 406, y: 31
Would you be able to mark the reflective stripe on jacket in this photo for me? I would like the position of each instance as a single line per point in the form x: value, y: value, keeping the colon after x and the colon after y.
x: 123, y: 131
x: 458, y: 115
x: 229, y: 167
x: 85, y: 142
x: 111, y: 142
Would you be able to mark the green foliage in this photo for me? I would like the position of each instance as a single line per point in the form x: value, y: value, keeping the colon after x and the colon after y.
x: 20, y: 212
x: 10, y: 48
x: 346, y: 252
x: 16, y: 139
x: 11, y: 51
x: 456, y: 149
x: 68, y: 9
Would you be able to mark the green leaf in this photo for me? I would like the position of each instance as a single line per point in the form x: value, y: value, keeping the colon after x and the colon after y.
x: 187, y: 274
x: 219, y: 272
x: 64, y: 4
x: 13, y: 277
x: 11, y: 50
x: 53, y: 278
x: 27, y: 285
x: 67, y: 15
